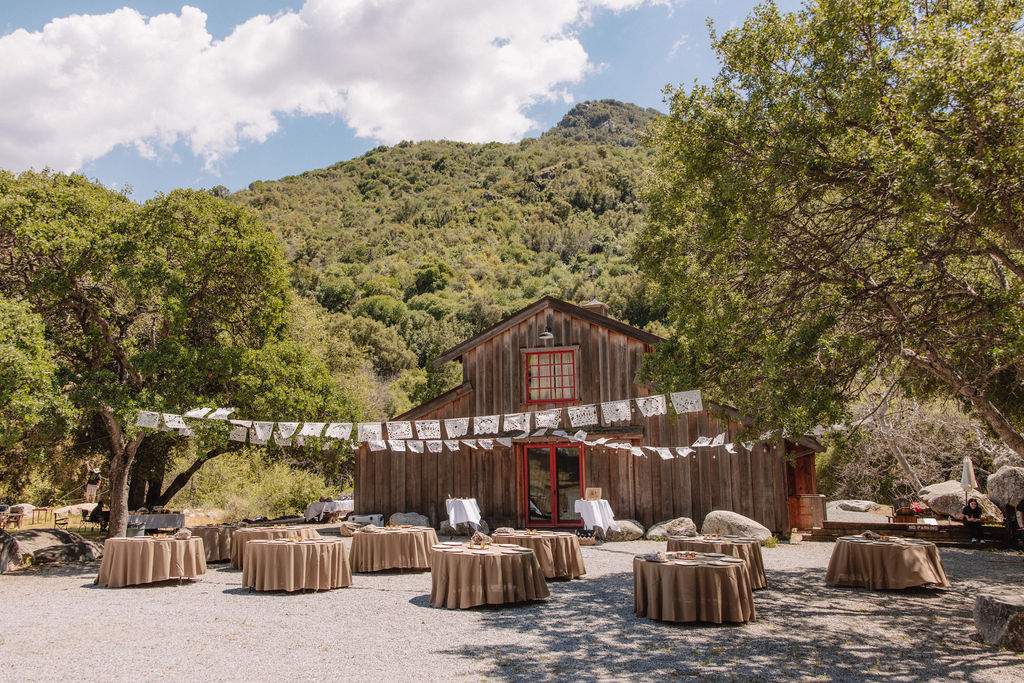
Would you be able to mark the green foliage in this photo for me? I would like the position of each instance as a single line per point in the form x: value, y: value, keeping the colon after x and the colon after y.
x: 844, y: 203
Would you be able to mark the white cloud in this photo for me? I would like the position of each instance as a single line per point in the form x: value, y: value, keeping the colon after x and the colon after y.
x: 678, y: 44
x: 391, y: 69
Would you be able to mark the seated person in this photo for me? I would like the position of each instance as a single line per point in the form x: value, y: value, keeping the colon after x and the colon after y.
x: 100, y: 516
x: 972, y: 519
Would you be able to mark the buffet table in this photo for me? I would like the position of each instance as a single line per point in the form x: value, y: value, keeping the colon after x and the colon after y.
x: 558, y: 553
x: 885, y: 564
x: 216, y: 539
x: 701, y: 589
x: 334, y: 507
x: 158, y: 520
x: 402, y: 548
x: 296, y: 564
x: 461, y: 577
x: 144, y: 559
x: 244, y: 535
x: 747, y: 549
x: 596, y: 514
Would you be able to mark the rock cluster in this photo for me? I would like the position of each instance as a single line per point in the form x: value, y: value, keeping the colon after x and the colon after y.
x: 671, y: 527
x: 947, y: 498
x: 413, y: 518
x: 1000, y: 619
x: 629, y: 530
x: 728, y: 522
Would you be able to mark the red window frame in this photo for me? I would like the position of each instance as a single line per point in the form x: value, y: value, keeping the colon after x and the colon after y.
x: 561, y: 375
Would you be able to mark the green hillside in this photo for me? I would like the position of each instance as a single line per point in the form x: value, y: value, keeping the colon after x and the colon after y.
x: 413, y: 247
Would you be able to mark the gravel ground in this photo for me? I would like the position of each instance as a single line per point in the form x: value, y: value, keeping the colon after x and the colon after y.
x: 56, y: 625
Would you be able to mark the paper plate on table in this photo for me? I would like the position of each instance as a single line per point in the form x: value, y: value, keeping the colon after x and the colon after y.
x: 885, y: 543
x: 714, y: 554
x: 686, y: 563
x: 732, y: 560
x: 451, y: 543
x: 718, y: 563
x: 507, y: 545
x: 858, y: 540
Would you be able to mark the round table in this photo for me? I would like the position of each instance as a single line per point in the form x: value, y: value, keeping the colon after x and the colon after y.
x: 462, y: 578
x: 747, y: 549
x: 145, y: 559
x: 885, y: 565
x: 701, y: 589
x: 216, y: 539
x: 403, y: 548
x: 557, y: 552
x: 242, y: 536
x: 293, y: 565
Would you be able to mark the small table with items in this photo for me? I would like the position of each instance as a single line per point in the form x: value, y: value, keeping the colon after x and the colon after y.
x: 692, y: 587
x: 331, y: 509
x: 295, y: 564
x: 463, y: 510
x: 158, y: 520
x: 557, y: 552
x: 463, y: 577
x: 596, y: 514
x: 747, y: 549
x: 885, y: 563
x: 216, y: 539
x: 150, y: 559
x: 403, y: 547
x: 242, y: 536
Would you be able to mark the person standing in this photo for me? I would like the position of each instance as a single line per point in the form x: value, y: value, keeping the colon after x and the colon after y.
x: 972, y: 519
x: 92, y: 483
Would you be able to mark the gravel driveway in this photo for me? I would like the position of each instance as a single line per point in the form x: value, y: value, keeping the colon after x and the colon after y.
x: 56, y: 625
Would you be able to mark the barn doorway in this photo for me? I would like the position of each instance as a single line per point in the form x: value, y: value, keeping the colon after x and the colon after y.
x: 553, y: 484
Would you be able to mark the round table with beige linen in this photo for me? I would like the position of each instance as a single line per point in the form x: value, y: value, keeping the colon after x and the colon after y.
x: 145, y: 559
x: 242, y: 536
x: 216, y: 539
x: 701, y: 589
x: 462, y: 578
x: 885, y: 565
x: 316, y: 564
x: 557, y: 552
x: 748, y: 549
x: 403, y: 548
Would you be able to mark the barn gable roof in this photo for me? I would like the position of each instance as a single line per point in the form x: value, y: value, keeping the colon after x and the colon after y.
x: 536, y: 307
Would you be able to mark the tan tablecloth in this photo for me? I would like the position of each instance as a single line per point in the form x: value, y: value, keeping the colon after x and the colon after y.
x: 881, y: 565
x: 243, y: 536
x: 702, y: 591
x: 280, y: 565
x: 392, y: 549
x: 216, y: 539
x: 745, y: 550
x: 462, y: 578
x: 558, y: 553
x: 144, y: 559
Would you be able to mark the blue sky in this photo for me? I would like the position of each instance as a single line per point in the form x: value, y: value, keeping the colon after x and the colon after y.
x: 158, y: 95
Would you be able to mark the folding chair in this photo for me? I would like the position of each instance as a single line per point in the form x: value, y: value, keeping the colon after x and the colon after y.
x: 60, y: 520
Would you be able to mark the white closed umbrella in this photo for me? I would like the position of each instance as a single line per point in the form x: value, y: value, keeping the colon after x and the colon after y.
x: 967, y: 479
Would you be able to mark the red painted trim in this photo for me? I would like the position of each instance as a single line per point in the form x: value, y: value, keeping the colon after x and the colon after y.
x: 564, y: 371
x: 553, y: 470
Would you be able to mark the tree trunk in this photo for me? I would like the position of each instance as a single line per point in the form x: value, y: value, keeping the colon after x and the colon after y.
x: 178, y: 483
x: 153, y: 486
x: 136, y: 489
x: 122, y: 456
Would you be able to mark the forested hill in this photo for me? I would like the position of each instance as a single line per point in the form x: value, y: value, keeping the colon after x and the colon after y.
x: 433, y: 241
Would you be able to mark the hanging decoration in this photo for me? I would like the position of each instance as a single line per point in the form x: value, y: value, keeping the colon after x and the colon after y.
x: 582, y: 416
x: 616, y: 411
x: 148, y: 419
x: 456, y: 427
x: 428, y: 429
x: 397, y: 445
x: 434, y: 445
x: 548, y: 419
x: 314, y: 429
x: 650, y: 406
x: 516, y: 422
x: 485, y: 424
x: 451, y: 444
x: 342, y: 431
x: 369, y: 431
x: 399, y: 430
x: 687, y: 401
x: 415, y: 445
x: 220, y: 414
x: 197, y: 412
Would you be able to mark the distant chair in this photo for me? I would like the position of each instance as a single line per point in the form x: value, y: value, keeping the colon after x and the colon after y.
x: 903, y: 512
x: 87, y: 521
x: 60, y: 520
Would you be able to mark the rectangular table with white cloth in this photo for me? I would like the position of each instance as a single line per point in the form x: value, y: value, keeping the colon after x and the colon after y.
x: 597, y: 513
x: 320, y: 508
x: 158, y: 520
x: 463, y: 510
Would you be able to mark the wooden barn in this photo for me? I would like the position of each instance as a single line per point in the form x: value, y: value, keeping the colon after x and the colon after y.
x: 553, y: 354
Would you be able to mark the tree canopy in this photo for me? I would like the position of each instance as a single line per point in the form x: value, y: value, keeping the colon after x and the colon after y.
x: 843, y: 204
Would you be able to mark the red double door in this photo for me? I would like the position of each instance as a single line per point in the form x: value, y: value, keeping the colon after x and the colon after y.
x: 554, y: 476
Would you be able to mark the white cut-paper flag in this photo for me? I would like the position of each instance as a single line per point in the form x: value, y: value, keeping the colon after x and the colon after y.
x: 486, y: 444
x: 455, y: 427
x: 451, y: 444
x: 220, y: 414
x: 701, y: 442
x: 343, y: 430
x: 148, y: 419
x: 582, y: 416
x: 485, y: 424
x: 665, y: 453
x: 730, y: 448
x: 415, y: 445
x: 241, y: 423
x: 186, y: 432
x: 470, y: 443
x: 748, y: 445
x: 299, y: 441
x: 602, y: 441
x: 256, y: 440
x: 548, y: 419
x: 719, y: 440
x: 560, y: 433
x: 516, y: 422
x: 313, y: 429
x: 651, y: 405
x: 616, y: 411
x: 285, y: 430
x: 377, y: 445
x: 197, y: 412
x: 428, y: 429
x: 397, y: 445
x: 172, y: 421
x: 433, y: 445
x: 540, y: 432
x: 687, y: 401
x: 281, y: 441
x: 238, y: 433
x: 399, y: 430
x: 263, y: 430
x: 636, y: 451
x: 650, y: 449
x: 683, y: 451
x: 504, y: 441
x: 580, y: 435
x: 369, y: 431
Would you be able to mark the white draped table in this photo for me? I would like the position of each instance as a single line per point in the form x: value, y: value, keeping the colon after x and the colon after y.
x: 597, y: 513
x: 318, y: 508
x: 158, y: 520
x: 463, y: 510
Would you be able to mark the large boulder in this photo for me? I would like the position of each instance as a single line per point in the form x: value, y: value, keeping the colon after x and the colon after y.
x: 31, y: 540
x: 1008, y: 459
x: 414, y: 518
x: 1006, y: 486
x: 82, y: 551
x: 349, y: 528
x: 1000, y: 619
x: 728, y: 522
x: 671, y: 527
x: 462, y: 529
x: 947, y: 498
x: 10, y: 553
x: 857, y: 505
x: 629, y: 530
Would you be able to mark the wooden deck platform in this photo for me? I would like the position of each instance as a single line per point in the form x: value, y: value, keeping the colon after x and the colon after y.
x: 945, y: 534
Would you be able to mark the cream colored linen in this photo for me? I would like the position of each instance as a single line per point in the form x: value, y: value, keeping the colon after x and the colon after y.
x: 284, y: 565
x: 558, y: 553
x: 466, y: 578
x: 745, y: 550
x: 701, y: 592
x: 393, y: 549
x: 216, y: 540
x: 885, y: 566
x: 243, y: 536
x: 144, y: 559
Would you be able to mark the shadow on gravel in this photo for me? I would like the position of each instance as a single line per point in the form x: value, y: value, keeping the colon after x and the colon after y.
x: 806, y: 629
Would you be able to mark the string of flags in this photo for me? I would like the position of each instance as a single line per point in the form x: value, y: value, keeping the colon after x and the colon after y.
x: 476, y: 433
